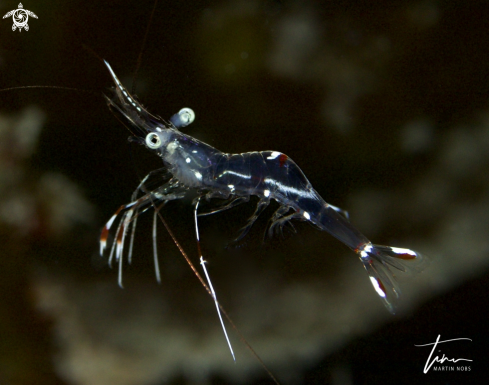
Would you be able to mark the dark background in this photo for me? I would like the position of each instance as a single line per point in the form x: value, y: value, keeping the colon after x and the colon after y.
x: 382, y: 104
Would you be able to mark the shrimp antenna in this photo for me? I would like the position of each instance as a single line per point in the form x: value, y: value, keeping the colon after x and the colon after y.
x: 55, y: 87
x: 140, y: 56
x: 203, y: 262
x: 207, y: 288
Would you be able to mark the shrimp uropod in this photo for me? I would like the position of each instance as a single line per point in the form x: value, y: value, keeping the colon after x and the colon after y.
x: 191, y: 164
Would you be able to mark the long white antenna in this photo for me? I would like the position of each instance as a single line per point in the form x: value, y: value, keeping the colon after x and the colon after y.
x: 203, y: 262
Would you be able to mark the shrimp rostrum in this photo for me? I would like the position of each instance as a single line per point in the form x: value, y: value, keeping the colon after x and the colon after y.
x: 194, y: 165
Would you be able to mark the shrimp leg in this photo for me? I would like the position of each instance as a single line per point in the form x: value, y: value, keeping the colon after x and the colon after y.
x: 233, y: 203
x: 260, y: 207
x: 203, y: 262
x: 280, y: 219
x: 128, y: 213
x: 165, y: 174
x: 155, y: 248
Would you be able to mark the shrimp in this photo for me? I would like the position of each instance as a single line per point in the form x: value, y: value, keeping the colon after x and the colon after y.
x: 190, y: 164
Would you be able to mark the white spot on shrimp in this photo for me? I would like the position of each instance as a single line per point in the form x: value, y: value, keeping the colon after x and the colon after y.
x: 103, y: 244
x: 125, y: 93
x: 366, y: 249
x: 171, y: 148
x: 399, y: 250
x: 377, y: 287
x: 274, y: 155
x: 198, y: 175
x: 306, y: 215
x: 288, y: 189
x: 109, y: 223
x: 244, y: 176
x: 194, y: 151
x: 187, y: 160
x: 266, y: 193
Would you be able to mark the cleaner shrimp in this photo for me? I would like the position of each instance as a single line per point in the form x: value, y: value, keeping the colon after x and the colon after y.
x: 190, y: 164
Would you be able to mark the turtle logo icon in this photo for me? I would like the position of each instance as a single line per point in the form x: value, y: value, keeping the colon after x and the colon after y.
x: 20, y: 17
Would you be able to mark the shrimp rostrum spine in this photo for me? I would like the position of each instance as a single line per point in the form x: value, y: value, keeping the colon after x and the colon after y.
x: 267, y: 175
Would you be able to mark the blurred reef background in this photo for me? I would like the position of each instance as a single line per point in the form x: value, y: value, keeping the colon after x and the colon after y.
x: 383, y: 104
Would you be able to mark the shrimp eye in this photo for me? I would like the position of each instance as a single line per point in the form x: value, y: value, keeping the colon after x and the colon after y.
x: 187, y: 115
x: 153, y: 141
x: 184, y: 117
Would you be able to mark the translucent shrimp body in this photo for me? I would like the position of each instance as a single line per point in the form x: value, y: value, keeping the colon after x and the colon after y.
x: 268, y: 175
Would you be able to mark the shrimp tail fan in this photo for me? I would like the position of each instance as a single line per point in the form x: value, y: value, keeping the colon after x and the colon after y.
x: 379, y: 261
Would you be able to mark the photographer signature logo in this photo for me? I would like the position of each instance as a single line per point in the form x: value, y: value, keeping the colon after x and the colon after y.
x: 20, y: 17
x: 443, y: 359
